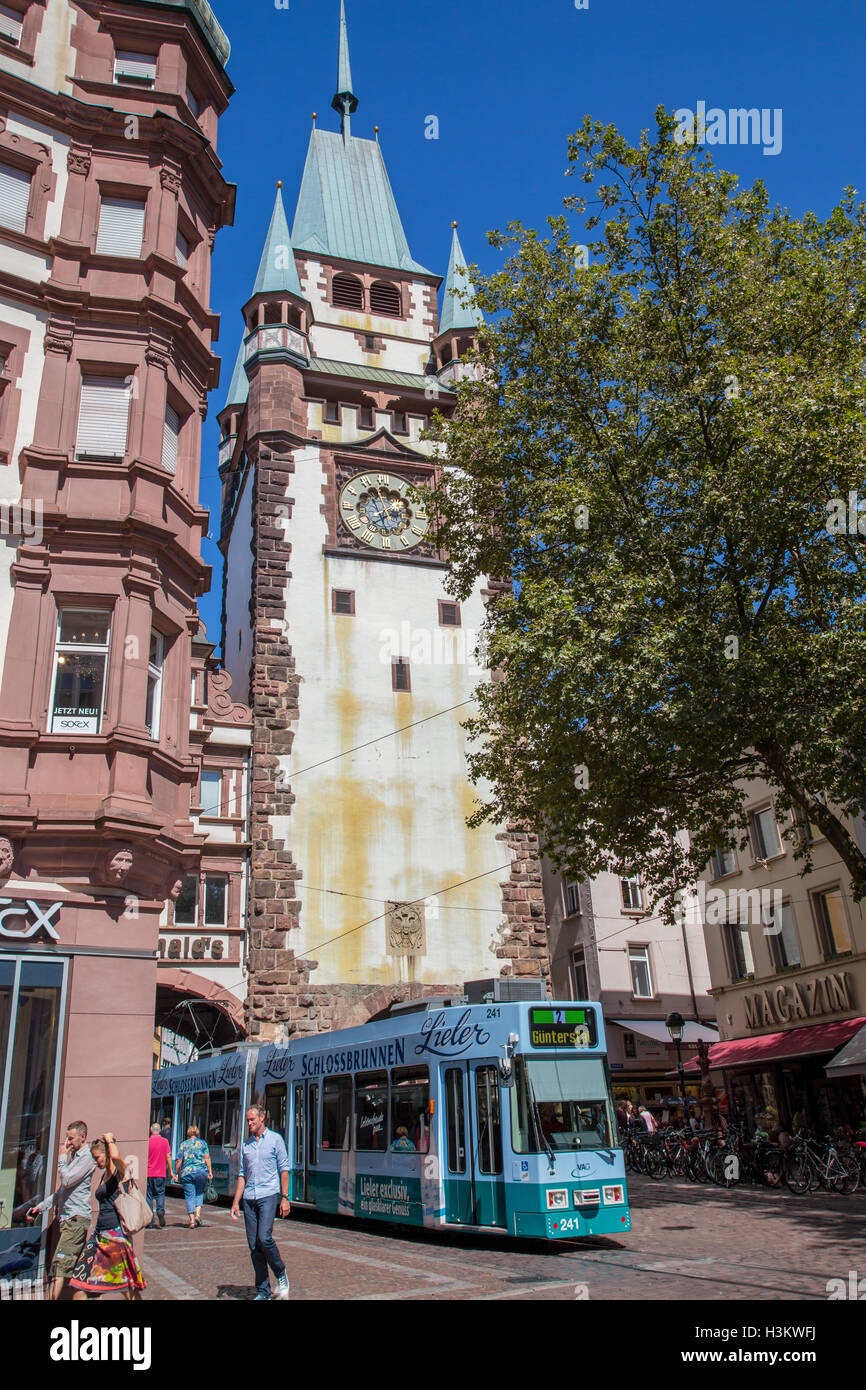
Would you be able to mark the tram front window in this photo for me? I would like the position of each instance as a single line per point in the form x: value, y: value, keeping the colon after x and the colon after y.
x: 560, y: 1104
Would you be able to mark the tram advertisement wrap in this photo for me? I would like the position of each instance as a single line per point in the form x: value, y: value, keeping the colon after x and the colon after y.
x: 387, y: 1197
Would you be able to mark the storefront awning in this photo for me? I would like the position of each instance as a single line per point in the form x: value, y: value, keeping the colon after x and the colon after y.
x: 650, y: 1028
x: 780, y: 1047
x: 851, y: 1061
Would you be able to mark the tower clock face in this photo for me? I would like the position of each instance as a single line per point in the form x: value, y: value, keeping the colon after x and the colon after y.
x: 377, y: 508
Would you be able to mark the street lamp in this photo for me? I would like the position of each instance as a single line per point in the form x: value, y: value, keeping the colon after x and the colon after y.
x: 675, y: 1025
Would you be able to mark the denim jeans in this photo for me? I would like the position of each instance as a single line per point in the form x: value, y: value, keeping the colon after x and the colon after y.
x: 156, y: 1195
x: 259, y: 1222
x: 194, y: 1185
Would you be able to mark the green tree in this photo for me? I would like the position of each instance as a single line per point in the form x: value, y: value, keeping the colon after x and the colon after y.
x: 651, y: 457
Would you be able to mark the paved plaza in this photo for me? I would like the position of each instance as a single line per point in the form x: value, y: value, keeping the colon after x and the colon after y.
x: 686, y: 1243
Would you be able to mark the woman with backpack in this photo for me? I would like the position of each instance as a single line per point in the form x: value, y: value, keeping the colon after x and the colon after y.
x: 108, y: 1262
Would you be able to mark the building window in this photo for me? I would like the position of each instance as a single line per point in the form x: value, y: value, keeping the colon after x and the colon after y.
x: 628, y: 1045
x: 579, y: 982
x: 740, y: 959
x: 121, y: 227
x: 449, y: 614
x: 332, y: 412
x: 14, y: 197
x: 386, y: 300
x: 210, y: 792
x: 370, y: 341
x: 832, y: 926
x: 366, y: 417
x: 31, y: 1036
x: 193, y: 103
x: 155, y: 665
x: 400, y: 677
x: 139, y: 68
x: 182, y: 249
x: 764, y: 833
x: 343, y: 601
x: 347, y: 292
x: 632, y: 893
x: 103, y: 418
x: 724, y: 863
x: 11, y: 24
x: 215, y: 900
x: 400, y: 425
x: 784, y: 947
x: 80, y: 662
x: 571, y: 892
x: 170, y: 440
x: 641, y: 979
x: 186, y: 903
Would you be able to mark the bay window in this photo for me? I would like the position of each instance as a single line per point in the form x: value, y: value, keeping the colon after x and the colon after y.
x: 80, y: 665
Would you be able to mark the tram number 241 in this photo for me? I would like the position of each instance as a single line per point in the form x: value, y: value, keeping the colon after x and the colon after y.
x: 494, y: 1013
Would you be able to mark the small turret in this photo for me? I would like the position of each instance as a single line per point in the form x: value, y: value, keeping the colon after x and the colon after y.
x: 461, y: 318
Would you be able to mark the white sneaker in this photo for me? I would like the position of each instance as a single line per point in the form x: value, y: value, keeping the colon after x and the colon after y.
x: 283, y: 1286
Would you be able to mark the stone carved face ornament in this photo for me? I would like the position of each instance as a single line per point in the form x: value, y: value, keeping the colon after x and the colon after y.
x: 118, y: 864
x: 7, y: 857
x: 176, y: 889
x: 406, y: 928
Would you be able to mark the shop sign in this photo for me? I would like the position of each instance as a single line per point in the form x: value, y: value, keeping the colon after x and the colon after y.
x: 825, y: 994
x: 12, y: 926
x: 193, y: 947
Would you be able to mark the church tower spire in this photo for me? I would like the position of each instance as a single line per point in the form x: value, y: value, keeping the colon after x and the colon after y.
x: 345, y: 101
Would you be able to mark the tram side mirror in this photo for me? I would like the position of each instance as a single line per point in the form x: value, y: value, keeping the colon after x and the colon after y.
x: 506, y: 1072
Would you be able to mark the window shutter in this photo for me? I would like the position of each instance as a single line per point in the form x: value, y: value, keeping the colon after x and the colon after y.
x: 121, y: 227
x: 14, y: 197
x: 170, y: 433
x: 135, y: 67
x: 103, y: 418
x: 10, y: 24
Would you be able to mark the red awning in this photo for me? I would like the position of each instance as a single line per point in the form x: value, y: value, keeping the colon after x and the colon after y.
x: 777, y: 1047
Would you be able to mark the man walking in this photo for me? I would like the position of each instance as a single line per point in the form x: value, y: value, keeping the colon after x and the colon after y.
x: 158, y: 1169
x: 72, y: 1199
x: 263, y: 1182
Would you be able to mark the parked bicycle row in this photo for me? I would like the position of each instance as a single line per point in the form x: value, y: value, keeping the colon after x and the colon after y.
x: 802, y: 1163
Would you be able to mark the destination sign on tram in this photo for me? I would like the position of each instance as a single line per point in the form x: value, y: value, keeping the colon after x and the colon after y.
x: 553, y: 1027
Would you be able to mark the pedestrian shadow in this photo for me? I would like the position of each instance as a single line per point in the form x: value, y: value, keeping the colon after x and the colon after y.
x: 241, y: 1292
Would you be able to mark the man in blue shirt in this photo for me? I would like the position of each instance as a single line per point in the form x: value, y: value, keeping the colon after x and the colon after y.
x: 263, y: 1182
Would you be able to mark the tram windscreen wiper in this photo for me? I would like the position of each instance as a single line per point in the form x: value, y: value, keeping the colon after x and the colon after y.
x: 536, y: 1117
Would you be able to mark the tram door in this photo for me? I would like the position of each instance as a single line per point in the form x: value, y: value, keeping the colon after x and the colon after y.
x: 488, y: 1179
x: 304, y: 1141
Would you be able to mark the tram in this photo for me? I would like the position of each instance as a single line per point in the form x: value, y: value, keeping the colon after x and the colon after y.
x: 211, y: 1093
x: 483, y: 1117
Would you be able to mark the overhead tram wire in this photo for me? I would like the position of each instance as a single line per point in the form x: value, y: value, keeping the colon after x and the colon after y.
x: 298, y: 772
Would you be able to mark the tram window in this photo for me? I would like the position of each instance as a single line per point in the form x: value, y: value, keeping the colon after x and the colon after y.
x: 216, y: 1115
x: 275, y: 1107
x: 456, y: 1121
x: 489, y: 1128
x: 156, y: 1108
x: 298, y: 1148
x: 183, y: 1104
x: 410, y: 1109
x: 198, y: 1114
x: 371, y: 1110
x: 233, y: 1117
x: 313, y: 1122
x: 337, y: 1112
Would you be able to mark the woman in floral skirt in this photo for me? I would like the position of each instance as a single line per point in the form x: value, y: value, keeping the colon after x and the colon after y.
x: 108, y: 1263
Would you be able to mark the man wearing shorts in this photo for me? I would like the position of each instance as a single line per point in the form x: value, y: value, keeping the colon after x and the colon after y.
x: 72, y: 1199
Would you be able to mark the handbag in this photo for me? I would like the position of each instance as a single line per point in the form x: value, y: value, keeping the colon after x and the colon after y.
x: 211, y: 1194
x: 132, y: 1209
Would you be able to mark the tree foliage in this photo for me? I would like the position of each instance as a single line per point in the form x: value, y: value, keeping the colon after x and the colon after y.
x: 650, y: 456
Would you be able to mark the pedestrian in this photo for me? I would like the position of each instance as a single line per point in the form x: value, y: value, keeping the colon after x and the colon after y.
x: 263, y: 1183
x: 193, y: 1169
x: 166, y: 1129
x: 648, y: 1120
x: 108, y: 1263
x: 158, y: 1170
x: 71, y: 1200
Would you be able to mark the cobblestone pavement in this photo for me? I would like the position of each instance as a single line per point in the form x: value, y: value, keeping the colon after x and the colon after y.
x: 686, y: 1243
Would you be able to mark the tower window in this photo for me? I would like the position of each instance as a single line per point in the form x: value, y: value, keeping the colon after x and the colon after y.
x: 366, y: 417
x: 343, y: 601
x: 347, y: 292
x: 370, y: 341
x: 449, y: 614
x: 11, y: 25
x: 385, y: 299
x: 135, y: 67
x: 332, y: 412
x: 400, y: 425
x: 400, y: 678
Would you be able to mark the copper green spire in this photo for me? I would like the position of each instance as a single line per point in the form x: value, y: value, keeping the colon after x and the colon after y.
x: 456, y: 314
x: 345, y: 100
x: 277, y: 269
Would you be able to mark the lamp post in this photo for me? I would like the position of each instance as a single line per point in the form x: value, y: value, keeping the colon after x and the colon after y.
x: 674, y: 1024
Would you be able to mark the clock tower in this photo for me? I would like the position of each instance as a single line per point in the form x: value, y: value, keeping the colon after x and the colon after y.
x: 366, y: 884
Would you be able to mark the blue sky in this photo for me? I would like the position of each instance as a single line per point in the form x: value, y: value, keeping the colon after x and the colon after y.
x: 509, y: 81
